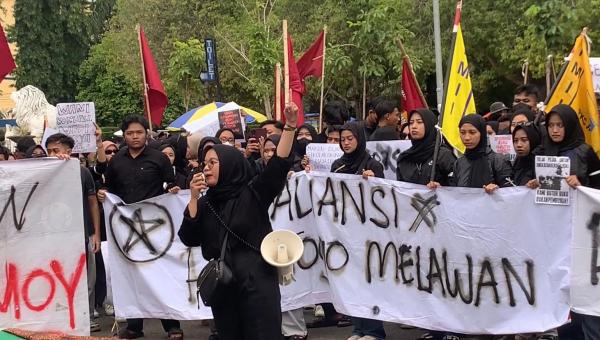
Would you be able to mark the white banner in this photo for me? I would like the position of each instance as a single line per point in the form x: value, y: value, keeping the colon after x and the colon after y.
x: 378, y: 249
x: 585, y: 265
x: 321, y: 155
x: 43, y: 285
x: 152, y: 273
x: 77, y: 120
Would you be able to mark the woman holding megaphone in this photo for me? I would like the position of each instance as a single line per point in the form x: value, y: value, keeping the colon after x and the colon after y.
x: 229, y: 222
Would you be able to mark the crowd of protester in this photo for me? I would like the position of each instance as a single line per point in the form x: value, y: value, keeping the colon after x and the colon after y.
x: 246, y: 177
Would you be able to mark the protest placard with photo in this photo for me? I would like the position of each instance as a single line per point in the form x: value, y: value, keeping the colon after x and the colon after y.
x: 77, y: 120
x: 551, y: 172
x: 232, y: 120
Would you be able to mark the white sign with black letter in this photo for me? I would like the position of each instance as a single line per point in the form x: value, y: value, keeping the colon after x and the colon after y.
x: 77, y: 120
x: 551, y: 172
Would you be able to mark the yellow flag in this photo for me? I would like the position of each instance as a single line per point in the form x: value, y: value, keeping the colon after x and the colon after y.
x: 458, y: 97
x: 575, y: 88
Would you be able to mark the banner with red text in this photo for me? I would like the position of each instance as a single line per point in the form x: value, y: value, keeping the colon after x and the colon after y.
x: 43, y: 280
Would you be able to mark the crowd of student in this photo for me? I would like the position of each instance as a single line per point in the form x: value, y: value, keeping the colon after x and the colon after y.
x: 232, y: 187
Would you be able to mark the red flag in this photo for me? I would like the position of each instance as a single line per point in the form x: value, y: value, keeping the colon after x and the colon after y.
x: 7, y: 63
x: 311, y: 63
x: 411, y: 93
x: 296, y: 84
x: 157, y: 97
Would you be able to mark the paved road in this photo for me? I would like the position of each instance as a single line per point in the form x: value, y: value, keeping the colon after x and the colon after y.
x: 194, y: 330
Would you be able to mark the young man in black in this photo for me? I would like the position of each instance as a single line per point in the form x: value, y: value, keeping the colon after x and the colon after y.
x: 388, y: 117
x: 60, y: 145
x: 136, y: 173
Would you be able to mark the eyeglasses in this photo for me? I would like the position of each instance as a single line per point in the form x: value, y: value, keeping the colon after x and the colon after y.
x: 209, y: 164
x: 515, y: 124
x: 110, y: 152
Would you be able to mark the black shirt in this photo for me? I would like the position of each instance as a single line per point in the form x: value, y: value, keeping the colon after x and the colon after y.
x: 140, y: 178
x: 87, y: 189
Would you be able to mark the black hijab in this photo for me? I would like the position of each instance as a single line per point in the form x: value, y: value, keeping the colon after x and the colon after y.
x: 480, y: 168
x: 522, y: 110
x: 274, y: 139
x: 234, y: 174
x: 573, y: 133
x: 202, y: 144
x: 422, y: 150
x: 351, y: 163
x: 527, y: 163
x: 300, y: 145
x: 220, y: 131
x: 494, y: 125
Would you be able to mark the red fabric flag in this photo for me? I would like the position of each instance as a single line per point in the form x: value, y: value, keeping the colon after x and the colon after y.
x: 7, y: 63
x: 157, y: 97
x: 296, y: 84
x: 411, y: 94
x: 311, y: 63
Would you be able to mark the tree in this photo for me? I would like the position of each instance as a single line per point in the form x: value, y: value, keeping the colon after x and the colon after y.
x: 54, y: 38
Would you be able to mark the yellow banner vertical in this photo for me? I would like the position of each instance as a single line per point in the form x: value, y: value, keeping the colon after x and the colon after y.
x: 458, y: 97
x: 576, y: 89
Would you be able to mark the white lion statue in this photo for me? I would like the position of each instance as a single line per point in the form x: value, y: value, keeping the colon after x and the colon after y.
x: 31, y: 110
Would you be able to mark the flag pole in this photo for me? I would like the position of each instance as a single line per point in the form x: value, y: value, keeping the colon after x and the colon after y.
x: 364, y: 97
x: 322, y: 79
x: 278, y: 91
x: 405, y: 56
x: 286, y: 65
x: 549, y: 73
x: 146, y: 102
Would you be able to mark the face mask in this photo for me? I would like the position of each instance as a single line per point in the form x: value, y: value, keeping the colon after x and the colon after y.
x: 301, y: 146
x: 228, y: 143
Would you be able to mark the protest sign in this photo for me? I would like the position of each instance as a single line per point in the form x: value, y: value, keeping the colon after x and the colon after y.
x: 152, y: 273
x: 386, y: 152
x: 550, y: 173
x: 595, y: 68
x: 232, y: 120
x: 585, y: 264
x: 503, y: 144
x: 43, y: 271
x: 378, y: 249
x: 77, y: 120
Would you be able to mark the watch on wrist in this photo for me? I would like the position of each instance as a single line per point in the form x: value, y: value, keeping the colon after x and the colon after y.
x: 289, y: 128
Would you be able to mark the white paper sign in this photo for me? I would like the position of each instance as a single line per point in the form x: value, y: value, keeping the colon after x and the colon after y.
x: 386, y: 152
x: 377, y: 249
x: 503, y: 144
x: 77, y: 121
x: 551, y: 172
x: 595, y: 68
x: 42, y: 254
x: 585, y: 263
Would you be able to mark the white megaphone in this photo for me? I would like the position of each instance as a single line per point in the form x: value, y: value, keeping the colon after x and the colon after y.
x: 281, y: 249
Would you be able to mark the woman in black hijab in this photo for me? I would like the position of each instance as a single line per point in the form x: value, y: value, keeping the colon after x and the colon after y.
x: 565, y: 138
x: 526, y: 140
x: 521, y: 114
x: 249, y: 307
x: 268, y: 150
x: 306, y: 134
x: 480, y: 167
x: 356, y: 160
x: 416, y: 163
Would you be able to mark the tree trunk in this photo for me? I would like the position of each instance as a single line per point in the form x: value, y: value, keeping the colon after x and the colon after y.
x: 267, y: 103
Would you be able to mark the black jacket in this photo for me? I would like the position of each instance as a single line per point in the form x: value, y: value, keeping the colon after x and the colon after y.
x: 499, y: 165
x: 408, y: 171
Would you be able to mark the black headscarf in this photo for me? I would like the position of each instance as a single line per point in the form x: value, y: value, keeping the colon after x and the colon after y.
x: 573, y: 133
x: 234, y: 174
x: 522, y: 110
x: 220, y: 131
x: 480, y: 168
x: 350, y: 163
x: 527, y: 163
x: 29, y: 153
x: 274, y: 139
x: 202, y: 144
x: 494, y: 125
x: 300, y: 145
x: 422, y: 150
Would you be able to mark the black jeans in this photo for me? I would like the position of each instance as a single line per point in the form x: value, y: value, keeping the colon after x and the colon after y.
x: 100, y: 287
x: 137, y: 325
